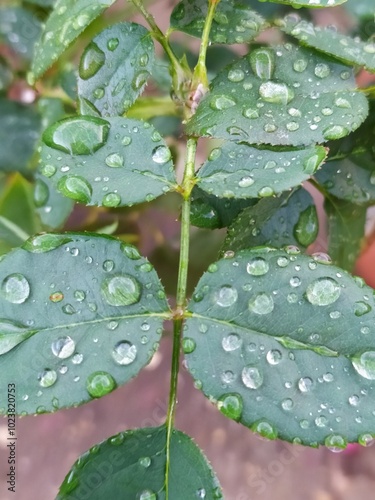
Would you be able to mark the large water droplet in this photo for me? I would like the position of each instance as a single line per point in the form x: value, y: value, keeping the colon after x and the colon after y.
x: 147, y: 495
x: 261, y: 304
x: 161, y: 155
x: 231, y: 342
x: 364, y: 364
x: 188, y: 345
x: 121, y: 290
x: 305, y: 384
x: 15, y: 288
x: 323, y: 292
x: 114, y: 160
x: 274, y: 357
x: 226, y: 296
x: 252, y: 377
x: 75, y: 187
x: 222, y: 102
x: 124, y: 353
x: 99, y: 384
x: 334, y: 132
x: 275, y: 92
x: 63, y: 347
x: 262, y: 62
x: 264, y: 429
x: 257, y: 266
x: 335, y: 443
x: 306, y: 229
x: 92, y: 60
x: 231, y: 405
x: 47, y: 377
x: 112, y: 44
x: 361, y: 308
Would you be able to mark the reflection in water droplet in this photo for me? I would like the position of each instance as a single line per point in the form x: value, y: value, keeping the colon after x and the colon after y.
x: 63, y: 347
x: 274, y: 92
x: 124, y: 353
x: 305, y: 384
x: 264, y: 429
x: 75, y: 187
x: 92, y: 60
x: 257, y: 266
x: 147, y: 495
x: 114, y: 160
x: 262, y: 62
x: 99, y: 384
x: 47, y: 378
x: 121, y: 290
x: 15, y: 288
x: 226, y: 296
x: 161, y: 155
x: 261, y: 304
x: 188, y: 345
x: 274, y: 357
x: 231, y: 405
x: 252, y: 377
x: 335, y: 443
x: 323, y: 292
x: 145, y: 462
x: 231, y: 342
x: 364, y: 364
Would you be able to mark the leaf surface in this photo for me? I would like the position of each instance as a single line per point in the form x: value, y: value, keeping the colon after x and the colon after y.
x: 80, y: 315
x: 282, y: 342
x: 20, y: 29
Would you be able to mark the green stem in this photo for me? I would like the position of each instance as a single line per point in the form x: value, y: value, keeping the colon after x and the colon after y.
x: 186, y: 187
x: 200, y: 70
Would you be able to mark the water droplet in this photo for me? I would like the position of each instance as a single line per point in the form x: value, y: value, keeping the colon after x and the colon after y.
x: 227, y: 377
x: 295, y: 281
x: 274, y: 357
x: 246, y: 182
x: 231, y: 342
x: 111, y: 200
x: 201, y: 493
x: 68, y: 309
x: 77, y: 359
x: 63, y: 347
x: 145, y: 462
x: 321, y: 421
x: 124, y: 353
x: 354, y: 400
x: 114, y: 160
x: 79, y: 295
x: 361, y: 308
x: 47, y: 378
x: 231, y: 405
x: 92, y: 60
x: 335, y: 443
x: 275, y: 92
x: 252, y: 377
x: 334, y: 132
x: 236, y: 75
x: 112, y: 44
x: 282, y: 261
x: 75, y: 187
x: 41, y: 193
x: 287, y: 404
x: 262, y: 62
x: 306, y: 229
x: 121, y: 290
x: 264, y: 429
x: 188, y: 345
x: 226, y: 296
x: 147, y: 495
x: 366, y: 439
x: 323, y: 292
x: 262, y: 303
x: 161, y: 155
x: 300, y: 65
x: 250, y: 113
x: 305, y: 384
x: 364, y: 364
x: 99, y: 384
x: 15, y: 288
x: 108, y: 265
x: 140, y: 80
x: 322, y: 70
x: 257, y: 266
x: 222, y: 102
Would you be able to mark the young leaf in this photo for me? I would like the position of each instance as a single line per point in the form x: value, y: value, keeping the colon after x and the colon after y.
x: 115, y: 67
x: 20, y: 29
x: 346, y: 230
x: 311, y: 4
x: 132, y: 464
x: 240, y: 171
x: 67, y: 20
x: 344, y: 48
x: 289, y: 219
x: 19, y: 131
x: 351, y: 179
x: 89, y: 312
x: 284, y: 95
x: 209, y: 211
x: 233, y: 22
x: 98, y: 162
x: 282, y: 342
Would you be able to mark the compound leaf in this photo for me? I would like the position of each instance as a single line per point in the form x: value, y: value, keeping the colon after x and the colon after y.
x: 115, y: 67
x: 98, y: 162
x: 284, y: 95
x: 282, y: 342
x: 80, y: 314
x: 240, y: 171
x: 233, y: 22
x: 67, y: 20
x: 132, y: 464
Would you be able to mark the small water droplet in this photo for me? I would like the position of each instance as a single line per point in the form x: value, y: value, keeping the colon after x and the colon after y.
x: 47, y: 377
x: 231, y: 405
x: 161, y: 155
x: 361, y: 308
x: 274, y: 357
x: 231, y: 342
x: 99, y: 384
x: 124, y: 353
x: 63, y: 347
x: 334, y: 132
x: 56, y: 297
x: 274, y: 92
x: 15, y: 288
x: 147, y: 495
x: 236, y: 75
x: 257, y: 266
x: 262, y: 62
x: 114, y: 160
x: 287, y: 404
x: 77, y: 359
x: 112, y: 44
x: 262, y: 303
x: 222, y: 102
x: 264, y: 429
x: 226, y: 296
x: 335, y: 443
x: 145, y: 462
x: 188, y: 345
x: 305, y: 384
x: 252, y: 377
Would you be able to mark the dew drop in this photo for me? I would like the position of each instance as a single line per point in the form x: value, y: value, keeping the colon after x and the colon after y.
x: 161, y: 155
x: 322, y: 70
x: 361, y: 308
x: 99, y: 384
x: 226, y: 296
x: 188, y: 345
x: 92, y: 60
x: 262, y: 303
x: 231, y: 405
x: 287, y: 404
x: 121, y: 290
x: 323, y: 292
x: 124, y: 353
x: 47, y: 378
x: 145, y: 462
x: 305, y: 384
x: 300, y: 65
x: 334, y: 132
x: 231, y: 342
x: 264, y: 429
x: 111, y: 200
x: 15, y: 288
x: 112, y: 44
x: 335, y: 443
x: 236, y: 75
x: 222, y: 102
x: 274, y: 357
x: 262, y: 62
x: 274, y: 92
x: 114, y: 160
x: 257, y: 266
x: 75, y: 187
x: 252, y: 377
x: 63, y: 347
x: 364, y: 364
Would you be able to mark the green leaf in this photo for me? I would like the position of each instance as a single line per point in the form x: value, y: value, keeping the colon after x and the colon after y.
x: 98, y: 162
x: 67, y: 20
x: 283, y: 344
x: 311, y: 4
x: 19, y: 131
x: 342, y: 47
x: 289, y: 219
x: 132, y: 465
x: 233, y: 22
x: 6, y: 75
x: 240, y: 171
x: 20, y: 29
x: 351, y: 179
x: 284, y: 95
x: 92, y: 310
x: 115, y: 67
x: 17, y: 216
x: 209, y: 211
x: 41, y: 3
x: 53, y: 208
x: 360, y: 8
x: 346, y: 231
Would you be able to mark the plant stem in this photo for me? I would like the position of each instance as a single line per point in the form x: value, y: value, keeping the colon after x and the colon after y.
x: 186, y: 187
x: 200, y: 70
